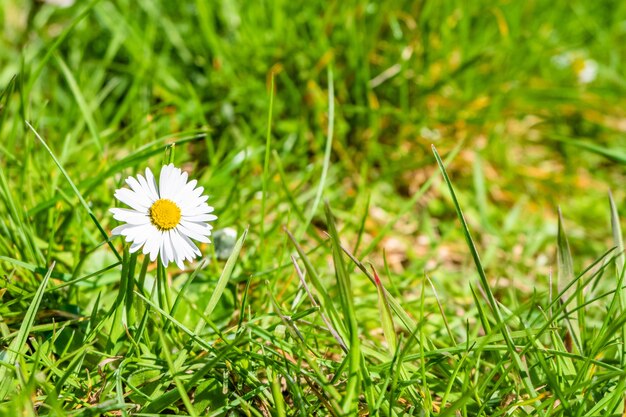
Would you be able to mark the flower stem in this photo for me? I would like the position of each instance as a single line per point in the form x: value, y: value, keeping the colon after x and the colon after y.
x: 163, y: 288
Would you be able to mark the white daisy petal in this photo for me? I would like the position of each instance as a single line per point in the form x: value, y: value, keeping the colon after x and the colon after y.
x: 192, y: 234
x: 177, y: 182
x: 200, y: 200
x: 135, y: 247
x: 174, y: 254
x: 162, y: 252
x: 180, y: 185
x: 119, y: 230
x: 138, y: 233
x: 187, y: 188
x: 130, y: 216
x: 154, y: 190
x: 132, y: 199
x: 190, y: 203
x: 152, y: 240
x: 135, y: 185
x: 197, y: 209
x: 196, y: 193
x: 181, y: 247
x: 164, y: 181
x: 200, y: 228
x: 177, y: 251
x: 201, y: 218
x: 156, y: 246
x: 147, y: 190
x: 184, y: 250
x: 191, y: 245
x: 167, y: 248
x: 180, y: 264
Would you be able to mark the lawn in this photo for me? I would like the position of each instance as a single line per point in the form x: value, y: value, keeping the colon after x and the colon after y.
x: 418, y: 208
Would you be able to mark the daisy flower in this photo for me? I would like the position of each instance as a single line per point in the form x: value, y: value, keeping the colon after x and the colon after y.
x: 164, y: 218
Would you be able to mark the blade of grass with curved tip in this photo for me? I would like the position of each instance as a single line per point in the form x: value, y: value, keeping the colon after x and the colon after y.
x: 386, y: 318
x: 222, y: 281
x: 441, y: 311
x: 517, y: 362
x: 609, y: 153
x: 347, y: 304
x: 17, y: 345
x: 409, y: 323
x: 78, y: 194
x: 565, y: 275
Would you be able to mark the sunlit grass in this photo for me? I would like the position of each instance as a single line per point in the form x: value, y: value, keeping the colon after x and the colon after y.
x: 370, y: 275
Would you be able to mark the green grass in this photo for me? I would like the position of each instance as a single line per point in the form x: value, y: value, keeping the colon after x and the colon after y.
x: 373, y: 274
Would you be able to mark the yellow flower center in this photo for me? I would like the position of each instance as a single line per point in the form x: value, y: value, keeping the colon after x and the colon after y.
x: 164, y: 214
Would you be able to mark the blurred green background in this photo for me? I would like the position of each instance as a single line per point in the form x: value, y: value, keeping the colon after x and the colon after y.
x: 501, y: 80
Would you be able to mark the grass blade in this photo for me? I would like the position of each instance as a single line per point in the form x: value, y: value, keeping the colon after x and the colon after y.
x: 347, y: 304
x: 386, y: 318
x: 327, y: 150
x: 223, y: 280
x: 266, y: 161
x: 618, y: 241
x: 564, y: 278
x: 80, y: 100
x: 17, y: 345
x: 517, y: 362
